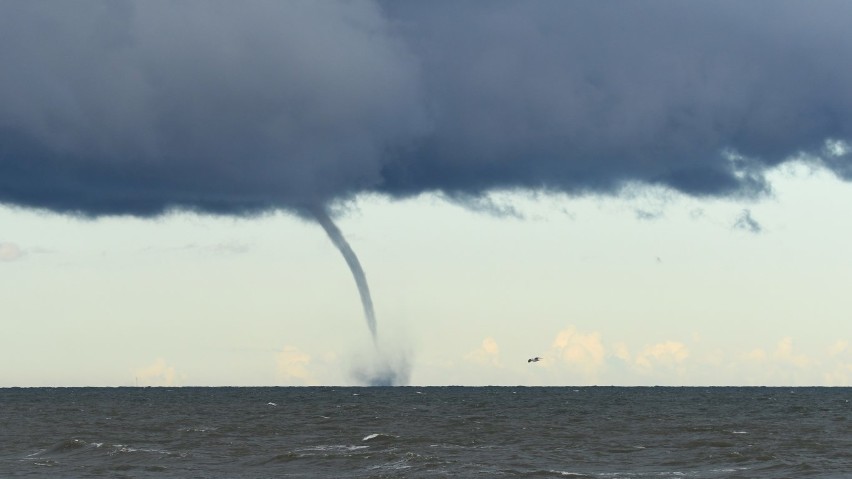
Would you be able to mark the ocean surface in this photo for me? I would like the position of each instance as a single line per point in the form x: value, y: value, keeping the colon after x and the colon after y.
x: 426, y: 432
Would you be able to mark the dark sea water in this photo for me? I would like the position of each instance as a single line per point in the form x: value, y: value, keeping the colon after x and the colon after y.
x: 426, y: 432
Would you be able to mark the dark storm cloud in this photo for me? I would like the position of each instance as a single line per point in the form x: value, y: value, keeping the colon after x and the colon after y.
x: 590, y: 95
x: 133, y: 107
x: 121, y: 107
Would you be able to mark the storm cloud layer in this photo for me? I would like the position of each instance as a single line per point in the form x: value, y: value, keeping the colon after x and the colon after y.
x: 119, y: 107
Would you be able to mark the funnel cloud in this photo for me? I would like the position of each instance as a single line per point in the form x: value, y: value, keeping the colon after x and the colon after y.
x: 351, y: 258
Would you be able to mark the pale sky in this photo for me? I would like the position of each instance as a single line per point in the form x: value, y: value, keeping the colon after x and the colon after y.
x: 639, y: 193
x: 654, y: 289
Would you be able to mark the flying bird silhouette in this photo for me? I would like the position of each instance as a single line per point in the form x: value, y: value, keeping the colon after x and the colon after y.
x: 534, y: 360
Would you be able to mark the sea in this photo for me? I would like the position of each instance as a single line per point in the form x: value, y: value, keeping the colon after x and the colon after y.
x: 426, y: 432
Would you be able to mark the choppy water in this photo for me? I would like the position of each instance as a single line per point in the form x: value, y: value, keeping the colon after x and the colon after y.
x: 426, y: 432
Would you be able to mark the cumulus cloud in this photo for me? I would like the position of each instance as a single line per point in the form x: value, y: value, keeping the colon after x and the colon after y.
x: 784, y: 352
x: 839, y: 364
x: 841, y: 375
x: 621, y: 351
x: 582, y: 352
x: 589, y: 357
x: 137, y: 107
x: 10, y: 252
x: 783, y: 364
x: 488, y: 353
x: 157, y: 374
x: 668, y: 354
x: 839, y: 347
x: 757, y: 355
x: 292, y: 365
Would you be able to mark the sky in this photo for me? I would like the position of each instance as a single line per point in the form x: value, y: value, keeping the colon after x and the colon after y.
x: 638, y: 193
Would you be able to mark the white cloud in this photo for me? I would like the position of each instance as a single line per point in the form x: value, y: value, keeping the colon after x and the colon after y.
x: 841, y: 375
x: 669, y: 354
x: 582, y: 352
x: 10, y: 252
x: 621, y: 351
x: 784, y: 353
x: 487, y: 353
x: 783, y: 365
x: 838, y: 370
x: 756, y: 355
x: 157, y: 374
x: 292, y: 364
x: 837, y: 148
x: 838, y: 347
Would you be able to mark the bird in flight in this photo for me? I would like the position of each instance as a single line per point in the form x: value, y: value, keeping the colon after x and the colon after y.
x: 534, y: 360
